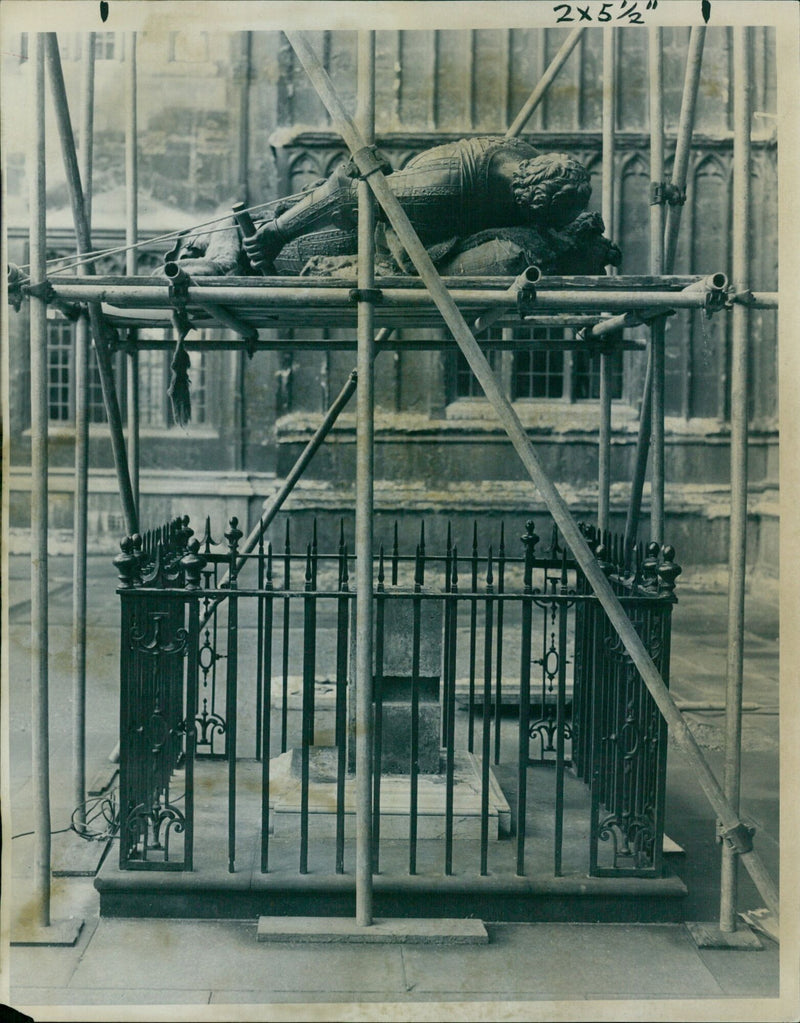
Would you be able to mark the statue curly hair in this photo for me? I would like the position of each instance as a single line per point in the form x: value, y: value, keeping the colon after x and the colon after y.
x: 554, y: 187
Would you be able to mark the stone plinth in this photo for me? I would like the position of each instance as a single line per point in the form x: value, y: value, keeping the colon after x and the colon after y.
x: 396, y: 685
x: 285, y: 795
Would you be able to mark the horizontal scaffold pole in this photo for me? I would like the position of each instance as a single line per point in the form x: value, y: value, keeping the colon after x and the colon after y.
x: 732, y: 827
x: 157, y: 296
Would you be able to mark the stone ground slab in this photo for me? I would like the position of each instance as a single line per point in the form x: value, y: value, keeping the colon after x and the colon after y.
x: 408, y: 931
x: 217, y: 955
x: 111, y: 997
x: 603, y: 960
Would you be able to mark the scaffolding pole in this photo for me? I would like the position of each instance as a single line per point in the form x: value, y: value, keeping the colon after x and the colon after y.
x: 40, y: 738
x: 691, y: 84
x: 131, y: 254
x: 742, y: 105
x: 544, y: 83
x: 365, y: 464
x: 657, y: 328
x: 95, y: 317
x: 301, y: 299
x: 80, y: 515
x: 609, y: 125
x: 732, y: 827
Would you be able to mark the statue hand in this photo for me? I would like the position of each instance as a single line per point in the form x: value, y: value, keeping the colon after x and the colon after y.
x: 264, y: 245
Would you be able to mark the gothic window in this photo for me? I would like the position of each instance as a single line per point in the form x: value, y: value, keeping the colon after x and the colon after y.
x: 60, y: 351
x: 466, y: 386
x: 155, y: 411
x: 154, y: 376
x: 540, y: 372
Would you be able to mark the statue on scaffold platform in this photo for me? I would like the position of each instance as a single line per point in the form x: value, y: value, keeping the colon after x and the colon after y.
x: 482, y: 206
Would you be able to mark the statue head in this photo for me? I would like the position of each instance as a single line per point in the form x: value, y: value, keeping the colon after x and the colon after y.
x: 553, y: 187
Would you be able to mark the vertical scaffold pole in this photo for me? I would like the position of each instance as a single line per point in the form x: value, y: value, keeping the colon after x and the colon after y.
x: 656, y: 64
x: 131, y: 261
x: 40, y: 739
x: 365, y: 117
x: 691, y: 83
x: 101, y: 347
x: 609, y: 124
x: 742, y: 102
x: 80, y: 518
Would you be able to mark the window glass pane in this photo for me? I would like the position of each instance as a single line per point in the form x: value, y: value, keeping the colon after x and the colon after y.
x: 97, y: 408
x: 153, y: 383
x: 197, y: 376
x: 466, y: 385
x: 538, y: 372
x: 60, y: 346
x: 155, y: 374
x: 586, y: 377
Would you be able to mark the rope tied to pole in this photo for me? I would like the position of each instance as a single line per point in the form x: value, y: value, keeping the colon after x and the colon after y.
x: 179, y: 384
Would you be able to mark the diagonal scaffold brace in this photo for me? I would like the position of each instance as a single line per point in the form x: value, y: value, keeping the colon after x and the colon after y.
x: 732, y: 828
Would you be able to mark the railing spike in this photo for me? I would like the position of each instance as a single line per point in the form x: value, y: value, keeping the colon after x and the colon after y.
x: 345, y: 570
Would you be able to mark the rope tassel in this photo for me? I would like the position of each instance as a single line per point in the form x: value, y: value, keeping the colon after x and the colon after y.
x: 178, y: 389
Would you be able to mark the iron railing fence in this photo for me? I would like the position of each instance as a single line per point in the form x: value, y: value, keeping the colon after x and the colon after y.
x: 214, y: 669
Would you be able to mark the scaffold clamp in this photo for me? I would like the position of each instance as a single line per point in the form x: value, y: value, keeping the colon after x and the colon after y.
x: 526, y: 300
x: 45, y: 291
x: 664, y: 192
x: 373, y: 295
x: 739, y: 837
x: 367, y: 161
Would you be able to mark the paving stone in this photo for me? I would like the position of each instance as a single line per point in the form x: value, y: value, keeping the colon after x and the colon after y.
x: 31, y: 996
x: 755, y: 974
x: 226, y: 955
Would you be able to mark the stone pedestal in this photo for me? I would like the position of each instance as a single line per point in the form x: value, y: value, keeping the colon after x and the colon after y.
x: 396, y: 687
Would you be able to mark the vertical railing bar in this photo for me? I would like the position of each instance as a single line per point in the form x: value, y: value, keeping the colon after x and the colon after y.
x: 498, y: 710
x: 661, y: 748
x: 312, y: 690
x: 308, y: 682
x: 395, y: 554
x: 233, y: 536
x: 445, y: 637
x: 342, y: 639
x: 127, y: 764
x: 415, y: 641
x: 523, y: 751
x: 473, y: 634
x: 190, y: 730
x: 380, y: 609
x: 487, y: 717
x: 259, y: 645
x: 266, y: 704
x: 450, y: 713
x: 560, y: 715
x: 286, y: 625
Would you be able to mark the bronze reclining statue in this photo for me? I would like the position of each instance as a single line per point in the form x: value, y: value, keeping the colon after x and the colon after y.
x: 482, y: 206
